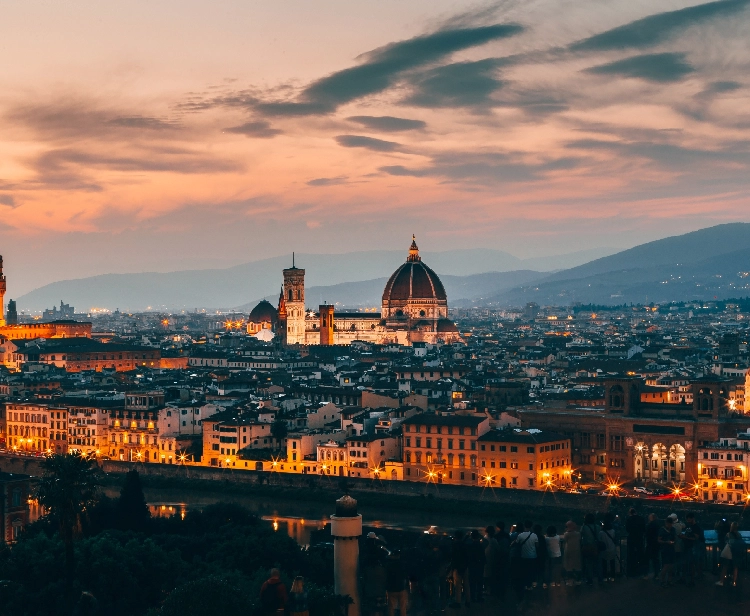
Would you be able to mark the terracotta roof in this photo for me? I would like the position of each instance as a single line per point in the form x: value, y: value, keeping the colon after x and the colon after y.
x: 414, y: 280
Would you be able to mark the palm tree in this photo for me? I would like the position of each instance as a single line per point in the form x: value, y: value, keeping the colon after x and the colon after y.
x: 67, y: 489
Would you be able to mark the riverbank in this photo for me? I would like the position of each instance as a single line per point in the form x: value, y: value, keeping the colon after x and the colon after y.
x: 429, y: 498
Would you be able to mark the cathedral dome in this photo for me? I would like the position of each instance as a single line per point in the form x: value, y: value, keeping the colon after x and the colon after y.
x: 264, y: 312
x: 414, y: 281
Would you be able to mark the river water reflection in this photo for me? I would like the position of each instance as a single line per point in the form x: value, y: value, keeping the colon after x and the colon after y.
x: 300, y: 518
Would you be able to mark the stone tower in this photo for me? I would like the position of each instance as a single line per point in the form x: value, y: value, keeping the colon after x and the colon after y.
x: 294, y: 301
x: 2, y: 293
x: 326, y: 324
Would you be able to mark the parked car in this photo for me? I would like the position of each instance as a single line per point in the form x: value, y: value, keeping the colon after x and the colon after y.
x: 642, y: 490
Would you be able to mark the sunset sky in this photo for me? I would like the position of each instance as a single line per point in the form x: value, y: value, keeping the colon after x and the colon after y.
x: 162, y: 135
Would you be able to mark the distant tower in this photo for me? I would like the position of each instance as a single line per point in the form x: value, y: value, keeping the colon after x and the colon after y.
x: 294, y: 300
x: 12, y: 317
x: 2, y: 293
x: 326, y: 324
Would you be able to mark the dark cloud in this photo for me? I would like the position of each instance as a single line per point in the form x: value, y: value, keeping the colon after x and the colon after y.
x: 7, y: 200
x: 658, y: 67
x: 142, y: 122
x: 360, y: 141
x: 259, y: 129
x: 342, y: 179
x: 68, y: 118
x: 655, y: 29
x: 672, y: 156
x: 462, y: 84
x: 483, y: 168
x: 69, y: 168
x: 721, y: 87
x: 383, y: 67
x: 388, y: 124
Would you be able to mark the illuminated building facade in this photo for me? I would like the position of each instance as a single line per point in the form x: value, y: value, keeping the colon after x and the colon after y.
x: 524, y: 459
x: 722, y: 470
x: 443, y: 448
x: 635, y: 440
x: 28, y: 428
x: 133, y: 431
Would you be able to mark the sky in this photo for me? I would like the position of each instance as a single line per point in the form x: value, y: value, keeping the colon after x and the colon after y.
x: 165, y: 135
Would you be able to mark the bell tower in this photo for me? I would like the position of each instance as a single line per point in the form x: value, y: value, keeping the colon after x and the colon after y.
x: 294, y: 302
x: 2, y: 293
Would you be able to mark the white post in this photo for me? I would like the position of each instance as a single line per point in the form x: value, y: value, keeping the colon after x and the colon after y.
x: 346, y: 529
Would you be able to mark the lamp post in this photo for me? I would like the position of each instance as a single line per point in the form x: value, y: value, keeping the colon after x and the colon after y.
x: 346, y: 529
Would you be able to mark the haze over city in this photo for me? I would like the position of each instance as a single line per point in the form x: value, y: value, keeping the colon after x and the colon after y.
x: 170, y: 136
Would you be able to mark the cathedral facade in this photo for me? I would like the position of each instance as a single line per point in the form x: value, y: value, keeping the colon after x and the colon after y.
x: 414, y: 309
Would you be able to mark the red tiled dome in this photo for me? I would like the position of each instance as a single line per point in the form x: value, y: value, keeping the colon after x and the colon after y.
x: 263, y: 312
x: 414, y: 280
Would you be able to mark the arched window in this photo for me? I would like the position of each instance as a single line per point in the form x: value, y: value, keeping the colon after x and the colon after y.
x: 473, y: 460
x: 290, y: 295
x: 461, y: 459
x: 428, y: 457
x: 503, y: 483
x: 408, y: 457
x: 418, y: 457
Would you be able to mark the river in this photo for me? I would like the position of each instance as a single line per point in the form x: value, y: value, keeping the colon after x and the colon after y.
x: 300, y: 519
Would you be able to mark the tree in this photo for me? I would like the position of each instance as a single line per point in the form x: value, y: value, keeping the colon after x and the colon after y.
x: 131, y: 506
x: 68, y: 488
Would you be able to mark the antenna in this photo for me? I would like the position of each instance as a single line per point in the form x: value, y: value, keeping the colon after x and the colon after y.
x: 292, y: 260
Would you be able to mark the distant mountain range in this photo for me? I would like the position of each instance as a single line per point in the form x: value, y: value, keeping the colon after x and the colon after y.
x: 712, y: 262
x: 245, y: 284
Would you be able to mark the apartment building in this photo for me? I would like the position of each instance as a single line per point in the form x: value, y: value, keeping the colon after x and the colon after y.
x: 524, y: 459
x: 368, y: 454
x: 722, y: 469
x: 442, y: 448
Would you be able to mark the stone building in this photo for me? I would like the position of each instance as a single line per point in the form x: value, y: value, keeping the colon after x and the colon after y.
x: 414, y: 308
x: 634, y: 440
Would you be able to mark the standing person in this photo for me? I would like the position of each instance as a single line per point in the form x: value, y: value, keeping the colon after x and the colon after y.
x: 667, y: 540
x: 273, y: 595
x: 691, y: 537
x: 395, y: 576
x: 459, y: 565
x: 503, y: 559
x: 679, y: 527
x: 606, y: 537
x: 572, y: 553
x: 541, y: 557
x: 589, y: 547
x: 476, y: 562
x: 722, y: 530
x: 515, y: 563
x: 652, y: 546
x: 527, y: 541
x: 554, y: 558
x: 738, y: 547
x: 635, y: 527
x: 297, y: 605
x: 491, y: 556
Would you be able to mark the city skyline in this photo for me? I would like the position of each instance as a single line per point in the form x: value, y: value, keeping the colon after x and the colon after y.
x: 161, y: 140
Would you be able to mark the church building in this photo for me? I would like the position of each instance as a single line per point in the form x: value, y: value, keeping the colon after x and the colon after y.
x: 414, y: 309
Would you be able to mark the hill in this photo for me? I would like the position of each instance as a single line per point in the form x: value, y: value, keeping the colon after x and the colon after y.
x: 236, y: 286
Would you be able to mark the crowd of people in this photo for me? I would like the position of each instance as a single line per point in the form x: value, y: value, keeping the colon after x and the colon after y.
x: 468, y: 567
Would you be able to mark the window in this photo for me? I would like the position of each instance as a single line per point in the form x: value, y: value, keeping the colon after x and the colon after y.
x: 529, y: 450
x: 514, y: 465
x: 408, y: 441
x: 503, y: 448
x: 615, y: 442
x: 450, y: 443
x: 513, y: 449
x: 503, y: 464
